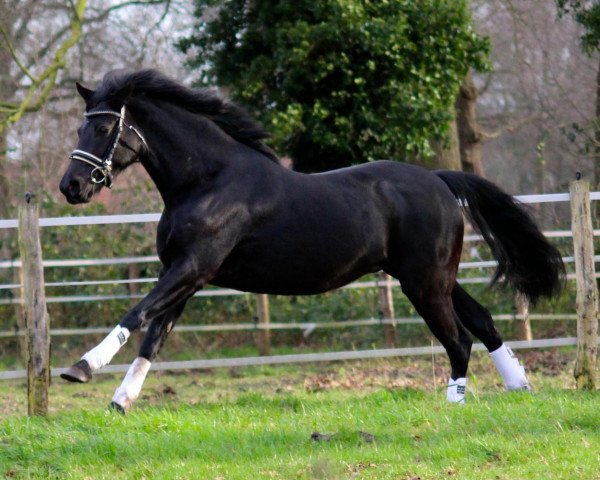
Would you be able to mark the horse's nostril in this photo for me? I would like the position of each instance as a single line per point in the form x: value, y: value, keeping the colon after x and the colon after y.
x: 73, y: 187
x: 70, y: 188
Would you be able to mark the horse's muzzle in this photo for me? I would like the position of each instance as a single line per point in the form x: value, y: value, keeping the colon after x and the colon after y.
x: 76, y: 191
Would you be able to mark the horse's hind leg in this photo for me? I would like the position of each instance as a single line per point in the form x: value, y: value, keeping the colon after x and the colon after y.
x: 434, y: 303
x: 155, y: 337
x: 480, y: 323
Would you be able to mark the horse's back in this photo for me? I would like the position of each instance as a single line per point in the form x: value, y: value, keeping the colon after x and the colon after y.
x: 409, y: 181
x: 411, y: 197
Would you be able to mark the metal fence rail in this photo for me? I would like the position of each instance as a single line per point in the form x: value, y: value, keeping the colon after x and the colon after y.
x: 304, y: 357
x: 155, y: 217
x: 214, y: 292
x: 307, y: 327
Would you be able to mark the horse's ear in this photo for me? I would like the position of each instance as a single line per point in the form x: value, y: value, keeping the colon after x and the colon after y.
x: 85, y: 93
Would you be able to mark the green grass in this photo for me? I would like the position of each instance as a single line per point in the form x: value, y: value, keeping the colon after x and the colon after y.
x: 257, y: 423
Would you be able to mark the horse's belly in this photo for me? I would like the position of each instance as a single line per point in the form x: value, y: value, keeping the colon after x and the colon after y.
x: 294, y: 272
x: 273, y: 286
x: 314, y: 242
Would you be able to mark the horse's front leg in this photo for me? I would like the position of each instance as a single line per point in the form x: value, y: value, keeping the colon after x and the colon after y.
x: 178, y: 284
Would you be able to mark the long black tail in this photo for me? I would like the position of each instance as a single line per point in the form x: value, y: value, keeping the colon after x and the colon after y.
x: 525, y: 258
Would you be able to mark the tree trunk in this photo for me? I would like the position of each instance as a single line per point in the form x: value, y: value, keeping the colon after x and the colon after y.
x: 469, y: 133
x: 447, y: 154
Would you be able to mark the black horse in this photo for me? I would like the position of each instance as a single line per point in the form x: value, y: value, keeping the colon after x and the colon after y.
x: 234, y: 217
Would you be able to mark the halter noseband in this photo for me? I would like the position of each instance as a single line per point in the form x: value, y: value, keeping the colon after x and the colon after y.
x: 103, y: 166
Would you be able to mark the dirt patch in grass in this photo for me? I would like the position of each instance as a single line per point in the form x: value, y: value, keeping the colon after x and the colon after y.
x: 354, y: 377
x: 551, y: 363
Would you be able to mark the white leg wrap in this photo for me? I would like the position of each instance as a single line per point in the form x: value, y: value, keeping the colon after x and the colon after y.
x: 456, y: 390
x: 103, y: 353
x: 131, y: 387
x: 510, y: 369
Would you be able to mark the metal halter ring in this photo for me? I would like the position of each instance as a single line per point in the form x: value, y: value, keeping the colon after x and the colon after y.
x: 105, y: 178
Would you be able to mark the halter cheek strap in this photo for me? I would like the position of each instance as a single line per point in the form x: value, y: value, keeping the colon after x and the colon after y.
x: 103, y: 166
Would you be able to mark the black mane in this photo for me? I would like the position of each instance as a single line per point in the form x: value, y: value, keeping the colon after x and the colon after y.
x: 231, y: 118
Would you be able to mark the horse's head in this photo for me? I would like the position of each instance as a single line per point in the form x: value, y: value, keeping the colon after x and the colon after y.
x: 108, y: 143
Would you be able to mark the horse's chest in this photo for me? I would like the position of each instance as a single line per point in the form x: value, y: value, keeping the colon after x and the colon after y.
x: 170, y: 240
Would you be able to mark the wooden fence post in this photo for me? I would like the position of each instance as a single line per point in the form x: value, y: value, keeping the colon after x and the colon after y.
x: 587, y: 291
x: 133, y: 272
x: 386, y: 305
x: 264, y: 333
x: 34, y: 308
x: 524, y: 325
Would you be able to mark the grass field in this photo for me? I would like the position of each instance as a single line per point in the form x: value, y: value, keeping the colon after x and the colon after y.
x: 378, y: 420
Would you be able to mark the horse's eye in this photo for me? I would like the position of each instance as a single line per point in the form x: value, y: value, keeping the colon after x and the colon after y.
x: 103, y: 129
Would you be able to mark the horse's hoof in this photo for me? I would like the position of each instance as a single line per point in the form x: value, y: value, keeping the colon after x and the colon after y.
x: 80, y: 372
x: 116, y: 407
x: 523, y: 388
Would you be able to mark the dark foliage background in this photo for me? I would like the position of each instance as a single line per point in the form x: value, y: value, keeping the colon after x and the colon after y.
x: 340, y: 82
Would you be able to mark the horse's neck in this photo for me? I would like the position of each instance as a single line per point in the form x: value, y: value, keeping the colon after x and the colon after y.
x: 185, y: 150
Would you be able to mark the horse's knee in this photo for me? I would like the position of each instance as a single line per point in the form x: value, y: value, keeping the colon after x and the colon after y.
x: 133, y: 320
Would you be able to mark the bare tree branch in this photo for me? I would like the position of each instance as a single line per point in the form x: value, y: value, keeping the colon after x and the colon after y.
x: 90, y: 20
x: 13, y: 54
x: 42, y: 85
x: 485, y: 136
x: 151, y: 30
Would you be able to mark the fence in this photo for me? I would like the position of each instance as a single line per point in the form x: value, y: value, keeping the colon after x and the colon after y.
x: 584, y: 260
